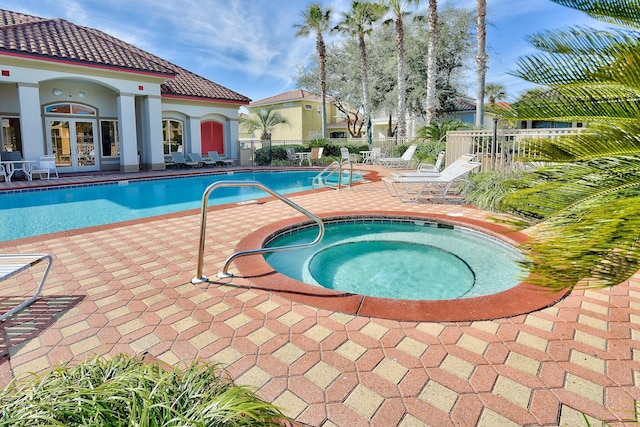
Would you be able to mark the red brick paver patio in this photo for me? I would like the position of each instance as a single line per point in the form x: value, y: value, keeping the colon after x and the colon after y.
x: 126, y: 288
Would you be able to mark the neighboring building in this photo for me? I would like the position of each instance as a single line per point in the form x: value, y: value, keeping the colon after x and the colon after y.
x: 99, y: 103
x: 303, y: 112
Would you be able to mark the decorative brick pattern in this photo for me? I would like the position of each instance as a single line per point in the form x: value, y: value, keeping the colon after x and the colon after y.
x: 127, y: 289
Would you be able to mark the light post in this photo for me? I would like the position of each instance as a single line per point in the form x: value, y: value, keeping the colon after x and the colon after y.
x: 494, y: 143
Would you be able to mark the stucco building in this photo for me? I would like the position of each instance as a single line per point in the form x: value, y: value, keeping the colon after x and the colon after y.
x: 99, y: 103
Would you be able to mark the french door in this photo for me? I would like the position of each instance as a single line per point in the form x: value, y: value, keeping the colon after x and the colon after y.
x: 74, y: 143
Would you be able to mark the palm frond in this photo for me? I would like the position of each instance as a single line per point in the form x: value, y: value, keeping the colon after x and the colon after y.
x: 582, y: 103
x: 619, y: 12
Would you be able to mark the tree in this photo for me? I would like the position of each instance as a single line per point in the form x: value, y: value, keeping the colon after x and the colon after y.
x: 399, y: 10
x: 495, y: 92
x: 432, y: 54
x: 586, y: 201
x: 481, y: 60
x: 456, y: 47
x: 358, y: 22
x: 317, y: 20
x: 264, y: 121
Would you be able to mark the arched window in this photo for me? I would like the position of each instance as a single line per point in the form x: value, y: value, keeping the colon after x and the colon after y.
x: 70, y: 108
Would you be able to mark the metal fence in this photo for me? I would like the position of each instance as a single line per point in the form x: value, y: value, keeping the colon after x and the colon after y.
x: 247, y: 149
x: 499, y: 149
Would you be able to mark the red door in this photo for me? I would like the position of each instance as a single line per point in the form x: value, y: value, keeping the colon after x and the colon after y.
x: 212, y: 134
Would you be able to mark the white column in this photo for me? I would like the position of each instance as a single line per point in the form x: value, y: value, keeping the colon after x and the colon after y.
x: 30, y: 121
x: 128, y: 141
x: 152, y: 149
x: 194, y: 141
x: 231, y: 137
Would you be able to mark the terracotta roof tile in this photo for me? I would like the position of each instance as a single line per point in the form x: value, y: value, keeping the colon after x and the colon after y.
x: 61, y: 40
x: 292, y: 95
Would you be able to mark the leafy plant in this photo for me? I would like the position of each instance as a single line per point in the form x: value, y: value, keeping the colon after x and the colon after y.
x: 125, y: 391
x: 586, y: 200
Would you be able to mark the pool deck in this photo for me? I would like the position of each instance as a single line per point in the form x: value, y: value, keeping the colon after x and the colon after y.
x: 127, y: 288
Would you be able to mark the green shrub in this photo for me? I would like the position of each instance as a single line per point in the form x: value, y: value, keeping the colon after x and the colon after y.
x: 125, y: 391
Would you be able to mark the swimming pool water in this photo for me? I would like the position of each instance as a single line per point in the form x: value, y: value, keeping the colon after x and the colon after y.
x: 24, y: 214
x: 400, y: 259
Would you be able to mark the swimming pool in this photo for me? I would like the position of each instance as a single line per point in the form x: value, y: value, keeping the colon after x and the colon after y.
x: 403, y: 259
x: 32, y: 213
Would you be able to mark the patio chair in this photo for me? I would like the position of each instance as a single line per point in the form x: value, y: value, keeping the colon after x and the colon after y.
x: 215, y: 157
x: 426, y: 167
x: 316, y: 154
x: 346, y: 156
x: 14, y: 170
x: 45, y: 166
x: 13, y: 264
x: 180, y: 161
x: 399, y: 162
x: 3, y: 172
x: 411, y: 188
x: 424, y: 171
x: 197, y: 157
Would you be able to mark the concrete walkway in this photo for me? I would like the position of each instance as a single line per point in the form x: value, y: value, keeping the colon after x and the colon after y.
x: 126, y: 288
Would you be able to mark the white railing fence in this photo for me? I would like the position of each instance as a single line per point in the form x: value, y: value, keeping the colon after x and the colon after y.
x: 502, y: 152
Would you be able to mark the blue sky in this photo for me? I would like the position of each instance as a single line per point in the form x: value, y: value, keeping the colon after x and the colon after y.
x: 251, y: 47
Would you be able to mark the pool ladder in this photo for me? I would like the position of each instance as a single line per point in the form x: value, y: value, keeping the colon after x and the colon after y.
x: 200, y: 278
x: 321, y: 180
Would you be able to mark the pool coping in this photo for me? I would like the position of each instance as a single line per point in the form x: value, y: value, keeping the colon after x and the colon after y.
x: 521, y: 299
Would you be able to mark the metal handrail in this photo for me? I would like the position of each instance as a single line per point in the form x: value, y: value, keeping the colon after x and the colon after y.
x: 332, y: 168
x: 199, y: 278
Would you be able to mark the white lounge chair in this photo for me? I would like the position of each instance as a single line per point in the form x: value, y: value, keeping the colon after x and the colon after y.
x: 426, y: 167
x: 424, y: 171
x: 45, y: 166
x: 197, y: 157
x: 13, y: 264
x: 399, y: 162
x: 214, y: 156
x: 180, y: 161
x: 411, y: 188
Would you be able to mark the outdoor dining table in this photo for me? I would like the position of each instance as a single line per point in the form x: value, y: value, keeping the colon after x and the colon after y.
x: 305, y: 155
x: 13, y: 166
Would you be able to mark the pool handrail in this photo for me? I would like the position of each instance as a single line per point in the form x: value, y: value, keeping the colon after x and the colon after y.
x: 200, y: 278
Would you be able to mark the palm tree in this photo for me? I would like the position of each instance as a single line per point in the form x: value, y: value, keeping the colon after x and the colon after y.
x: 399, y: 10
x: 316, y: 21
x: 432, y: 53
x: 495, y: 92
x: 586, y: 202
x: 264, y: 121
x: 481, y: 60
x: 358, y: 22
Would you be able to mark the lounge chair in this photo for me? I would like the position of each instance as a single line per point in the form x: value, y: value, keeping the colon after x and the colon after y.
x: 411, y: 188
x: 12, y: 264
x: 399, y: 162
x: 426, y: 167
x: 424, y: 171
x: 215, y: 157
x: 45, y: 166
x: 197, y: 157
x: 180, y: 161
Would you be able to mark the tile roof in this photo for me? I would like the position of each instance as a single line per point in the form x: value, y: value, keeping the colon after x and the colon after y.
x: 292, y: 95
x: 62, y: 41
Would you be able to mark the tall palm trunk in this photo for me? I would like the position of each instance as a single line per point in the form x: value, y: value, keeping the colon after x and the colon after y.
x: 481, y: 60
x: 431, y: 61
x: 366, y: 99
x: 402, y: 84
x: 322, y: 56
